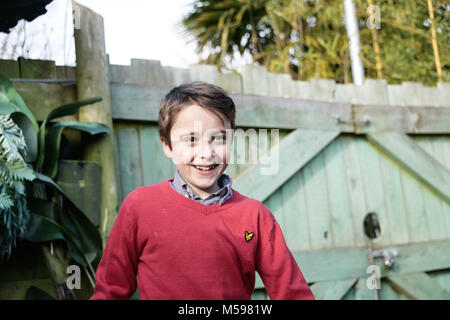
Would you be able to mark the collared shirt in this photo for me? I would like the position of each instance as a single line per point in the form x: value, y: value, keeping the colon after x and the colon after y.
x: 219, y: 197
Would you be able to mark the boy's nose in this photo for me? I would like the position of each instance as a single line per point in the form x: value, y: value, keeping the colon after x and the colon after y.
x: 206, y: 151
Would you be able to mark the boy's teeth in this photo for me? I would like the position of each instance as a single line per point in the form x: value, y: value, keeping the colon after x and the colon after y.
x: 205, y: 168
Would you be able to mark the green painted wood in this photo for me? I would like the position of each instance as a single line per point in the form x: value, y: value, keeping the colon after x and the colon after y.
x: 332, y: 290
x: 419, y: 286
x: 317, y: 202
x: 293, y: 152
x: 436, y: 220
x: 133, y: 102
x: 41, y: 98
x: 139, y: 102
x: 394, y: 201
x: 36, y: 69
x: 129, y: 160
x: 415, y: 208
x: 373, y: 188
x: 414, y: 159
x: 362, y: 292
x: 296, y: 231
x: 9, y: 69
x: 407, y: 119
x: 355, y: 188
x: 303, y: 228
x: 427, y: 256
x: 442, y: 277
x: 156, y: 167
x: 339, y: 203
x: 343, y: 263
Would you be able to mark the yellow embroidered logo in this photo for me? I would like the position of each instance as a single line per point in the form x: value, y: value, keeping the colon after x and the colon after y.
x: 249, y: 236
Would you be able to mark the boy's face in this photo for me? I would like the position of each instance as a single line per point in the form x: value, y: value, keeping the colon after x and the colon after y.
x: 200, y: 148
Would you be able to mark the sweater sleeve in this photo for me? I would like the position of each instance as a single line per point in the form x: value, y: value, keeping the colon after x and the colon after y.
x: 116, y: 272
x: 275, y: 264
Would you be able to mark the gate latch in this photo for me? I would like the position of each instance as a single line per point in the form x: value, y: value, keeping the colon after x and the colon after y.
x: 388, y: 255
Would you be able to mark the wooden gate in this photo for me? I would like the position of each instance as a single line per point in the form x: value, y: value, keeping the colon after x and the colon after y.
x: 337, y: 163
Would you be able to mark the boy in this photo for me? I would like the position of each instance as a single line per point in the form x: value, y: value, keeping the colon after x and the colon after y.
x: 194, y: 237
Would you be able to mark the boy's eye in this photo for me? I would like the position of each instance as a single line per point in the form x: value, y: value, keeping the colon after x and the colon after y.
x: 190, y: 139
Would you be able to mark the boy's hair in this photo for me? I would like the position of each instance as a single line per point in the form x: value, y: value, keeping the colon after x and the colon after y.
x: 204, y: 94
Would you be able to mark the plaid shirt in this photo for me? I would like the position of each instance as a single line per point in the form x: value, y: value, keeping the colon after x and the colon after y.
x: 219, y: 197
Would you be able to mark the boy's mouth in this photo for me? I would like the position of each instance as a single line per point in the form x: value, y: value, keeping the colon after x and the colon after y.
x: 205, y: 168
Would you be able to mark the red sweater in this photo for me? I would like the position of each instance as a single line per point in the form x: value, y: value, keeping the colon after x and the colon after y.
x: 177, y: 248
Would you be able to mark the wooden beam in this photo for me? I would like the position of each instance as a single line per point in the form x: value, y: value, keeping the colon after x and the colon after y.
x: 415, y: 160
x: 345, y: 263
x: 92, y: 81
x: 332, y: 290
x: 406, y: 119
x: 141, y: 103
x: 290, y: 155
x: 419, y: 286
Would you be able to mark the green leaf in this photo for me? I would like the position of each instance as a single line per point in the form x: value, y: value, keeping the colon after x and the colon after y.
x: 42, y: 230
x: 81, y: 235
x: 65, y: 110
x: 53, y: 141
x: 11, y: 99
x: 29, y: 133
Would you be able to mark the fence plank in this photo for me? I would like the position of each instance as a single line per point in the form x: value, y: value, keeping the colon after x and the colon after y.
x: 394, y: 201
x: 436, y: 219
x: 341, y: 219
x: 355, y: 188
x: 317, y: 202
x: 9, y: 68
x: 36, y: 69
x: 409, y: 155
x: 332, y: 290
x: 419, y: 286
x: 373, y: 188
x: 293, y: 152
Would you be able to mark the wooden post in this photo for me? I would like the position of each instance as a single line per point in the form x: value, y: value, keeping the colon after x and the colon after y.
x: 92, y: 80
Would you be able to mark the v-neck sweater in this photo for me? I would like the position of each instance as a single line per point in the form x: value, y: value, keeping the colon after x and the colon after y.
x: 174, y: 248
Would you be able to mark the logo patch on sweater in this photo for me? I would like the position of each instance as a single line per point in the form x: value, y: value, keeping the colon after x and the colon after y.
x: 248, y: 236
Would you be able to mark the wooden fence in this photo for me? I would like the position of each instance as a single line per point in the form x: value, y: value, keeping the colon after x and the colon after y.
x: 344, y: 151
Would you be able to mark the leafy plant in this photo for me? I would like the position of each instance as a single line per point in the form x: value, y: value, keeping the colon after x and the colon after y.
x: 14, y: 171
x: 308, y: 38
x: 54, y: 216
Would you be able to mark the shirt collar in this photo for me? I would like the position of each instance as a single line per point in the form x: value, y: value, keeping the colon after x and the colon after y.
x: 220, y: 196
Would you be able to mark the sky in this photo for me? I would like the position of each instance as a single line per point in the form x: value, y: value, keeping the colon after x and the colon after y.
x: 144, y: 29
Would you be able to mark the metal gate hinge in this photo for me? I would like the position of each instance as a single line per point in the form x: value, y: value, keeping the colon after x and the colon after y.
x: 388, y: 255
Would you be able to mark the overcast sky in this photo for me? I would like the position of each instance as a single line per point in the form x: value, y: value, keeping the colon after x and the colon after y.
x: 145, y: 29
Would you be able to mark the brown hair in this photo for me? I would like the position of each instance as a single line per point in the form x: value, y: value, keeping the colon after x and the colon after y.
x: 204, y: 94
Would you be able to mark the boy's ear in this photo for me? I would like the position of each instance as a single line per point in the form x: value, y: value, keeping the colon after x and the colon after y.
x: 166, y: 149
